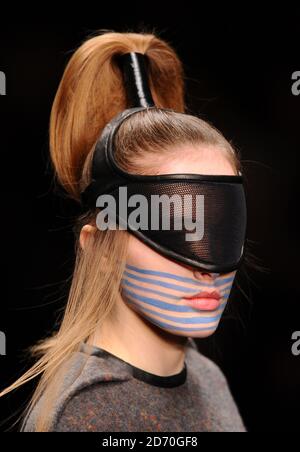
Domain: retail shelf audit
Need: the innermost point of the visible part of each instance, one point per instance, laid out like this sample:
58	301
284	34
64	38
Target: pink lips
206	301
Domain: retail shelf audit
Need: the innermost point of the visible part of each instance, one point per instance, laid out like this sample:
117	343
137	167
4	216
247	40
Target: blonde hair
90	94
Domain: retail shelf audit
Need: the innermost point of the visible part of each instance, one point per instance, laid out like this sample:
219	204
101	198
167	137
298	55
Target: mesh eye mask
196	219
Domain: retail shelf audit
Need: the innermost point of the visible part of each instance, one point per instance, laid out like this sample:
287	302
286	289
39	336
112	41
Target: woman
124	358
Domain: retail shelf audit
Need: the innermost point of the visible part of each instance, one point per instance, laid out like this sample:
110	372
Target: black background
238	64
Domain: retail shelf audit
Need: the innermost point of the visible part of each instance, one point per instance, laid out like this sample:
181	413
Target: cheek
229	280
141	255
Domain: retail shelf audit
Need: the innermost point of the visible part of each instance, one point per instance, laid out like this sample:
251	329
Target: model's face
156	287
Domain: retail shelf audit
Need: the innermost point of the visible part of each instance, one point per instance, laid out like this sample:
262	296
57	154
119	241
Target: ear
86	232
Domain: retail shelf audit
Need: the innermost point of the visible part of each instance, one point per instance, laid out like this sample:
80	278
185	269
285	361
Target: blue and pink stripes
157	295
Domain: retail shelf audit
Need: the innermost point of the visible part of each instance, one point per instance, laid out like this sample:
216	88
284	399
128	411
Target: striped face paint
158	296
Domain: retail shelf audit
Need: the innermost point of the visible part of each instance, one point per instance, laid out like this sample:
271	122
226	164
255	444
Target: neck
128	335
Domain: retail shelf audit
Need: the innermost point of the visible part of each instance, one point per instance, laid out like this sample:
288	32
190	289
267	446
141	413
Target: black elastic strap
134	67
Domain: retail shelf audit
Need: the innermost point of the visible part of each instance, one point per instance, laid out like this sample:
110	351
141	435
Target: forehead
193	160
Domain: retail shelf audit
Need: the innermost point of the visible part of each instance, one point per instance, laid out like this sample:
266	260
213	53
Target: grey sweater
102	393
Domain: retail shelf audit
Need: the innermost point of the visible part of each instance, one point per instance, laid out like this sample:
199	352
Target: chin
202	334
194	334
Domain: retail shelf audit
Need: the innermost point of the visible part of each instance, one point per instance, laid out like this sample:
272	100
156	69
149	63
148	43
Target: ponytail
92	92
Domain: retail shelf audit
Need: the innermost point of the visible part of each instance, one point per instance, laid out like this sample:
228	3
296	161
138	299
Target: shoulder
207	372
84	375
203	365
93	408
214	388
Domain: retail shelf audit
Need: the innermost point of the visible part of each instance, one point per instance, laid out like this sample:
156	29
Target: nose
203	275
